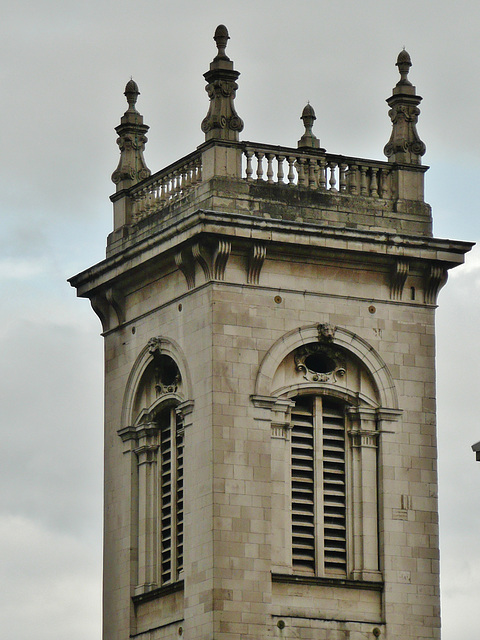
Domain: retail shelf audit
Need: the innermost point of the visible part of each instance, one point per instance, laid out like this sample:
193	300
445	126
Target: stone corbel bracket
109	307
258	253
398	277
186	264
435	278
212	258
220	258
200	256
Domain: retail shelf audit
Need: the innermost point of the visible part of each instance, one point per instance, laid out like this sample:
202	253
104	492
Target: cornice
239	228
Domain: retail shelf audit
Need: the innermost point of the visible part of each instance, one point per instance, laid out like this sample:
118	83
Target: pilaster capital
185	411
364	438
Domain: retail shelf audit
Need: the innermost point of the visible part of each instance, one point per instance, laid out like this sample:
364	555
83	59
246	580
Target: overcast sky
64	66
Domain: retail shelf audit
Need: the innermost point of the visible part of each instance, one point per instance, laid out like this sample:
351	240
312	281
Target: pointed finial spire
222	121
308	139
404	145
131	141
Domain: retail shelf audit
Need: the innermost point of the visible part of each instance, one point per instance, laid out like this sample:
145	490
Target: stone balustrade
305	169
166	186
317	170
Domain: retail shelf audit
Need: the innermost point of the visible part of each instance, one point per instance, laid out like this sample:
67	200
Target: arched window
327	395
158	410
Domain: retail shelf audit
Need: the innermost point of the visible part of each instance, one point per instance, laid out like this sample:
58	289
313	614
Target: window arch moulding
339	337
158	346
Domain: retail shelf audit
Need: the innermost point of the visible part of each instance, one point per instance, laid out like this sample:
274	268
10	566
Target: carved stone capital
367	439
146	453
185	411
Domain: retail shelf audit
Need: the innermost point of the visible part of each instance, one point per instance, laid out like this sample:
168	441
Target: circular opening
278	299
320	363
168	371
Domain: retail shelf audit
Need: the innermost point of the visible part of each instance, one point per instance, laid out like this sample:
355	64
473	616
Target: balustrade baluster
332	182
163	194
343	177
260	155
363	181
302	178
149	197
193	174
198	167
270	157
322	182
352	179
383	178
373	183
248	168
280	174
171	186
312	182
178	184
188	176
291	171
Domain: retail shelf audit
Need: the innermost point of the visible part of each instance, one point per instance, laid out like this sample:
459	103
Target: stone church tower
270	450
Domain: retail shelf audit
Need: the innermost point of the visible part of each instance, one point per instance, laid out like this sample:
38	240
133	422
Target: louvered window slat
171	493
303	508
318	437
335	548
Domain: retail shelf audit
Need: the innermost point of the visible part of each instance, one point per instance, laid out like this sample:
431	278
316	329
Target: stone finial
404	145
131	141
221	38
131	93
404	62
222	121
308	139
